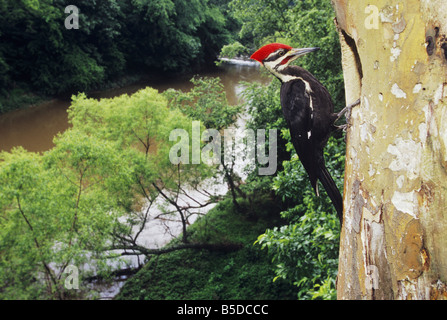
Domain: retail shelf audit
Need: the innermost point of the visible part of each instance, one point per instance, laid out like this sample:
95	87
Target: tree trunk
393	243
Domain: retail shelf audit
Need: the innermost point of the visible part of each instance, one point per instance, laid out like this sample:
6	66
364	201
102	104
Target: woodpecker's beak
298	52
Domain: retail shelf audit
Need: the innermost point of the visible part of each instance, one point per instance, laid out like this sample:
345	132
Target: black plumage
308	110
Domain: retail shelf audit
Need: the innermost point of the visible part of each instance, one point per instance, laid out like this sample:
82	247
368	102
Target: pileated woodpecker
309	113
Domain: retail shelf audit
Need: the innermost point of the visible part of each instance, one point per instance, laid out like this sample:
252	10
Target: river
34	129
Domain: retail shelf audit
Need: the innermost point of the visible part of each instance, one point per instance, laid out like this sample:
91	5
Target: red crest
264	51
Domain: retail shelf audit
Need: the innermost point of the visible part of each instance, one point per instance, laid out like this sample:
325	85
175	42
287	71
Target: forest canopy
115	37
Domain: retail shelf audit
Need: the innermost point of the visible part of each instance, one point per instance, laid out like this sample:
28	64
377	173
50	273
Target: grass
200	274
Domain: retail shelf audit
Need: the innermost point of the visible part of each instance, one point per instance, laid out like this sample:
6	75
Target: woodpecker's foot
343	127
346	109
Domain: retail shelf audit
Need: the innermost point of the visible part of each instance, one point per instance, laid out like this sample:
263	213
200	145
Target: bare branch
225	247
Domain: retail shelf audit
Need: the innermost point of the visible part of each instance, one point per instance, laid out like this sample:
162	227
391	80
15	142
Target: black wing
298	111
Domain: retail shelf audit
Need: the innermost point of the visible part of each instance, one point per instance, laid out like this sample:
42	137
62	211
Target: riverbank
246	273
34	126
22	97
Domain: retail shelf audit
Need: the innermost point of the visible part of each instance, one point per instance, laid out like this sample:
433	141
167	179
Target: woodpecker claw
346	109
343	127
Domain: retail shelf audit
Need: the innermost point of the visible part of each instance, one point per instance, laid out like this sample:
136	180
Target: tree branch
224	247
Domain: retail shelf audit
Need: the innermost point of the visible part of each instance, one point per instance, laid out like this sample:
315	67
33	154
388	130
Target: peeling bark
392	244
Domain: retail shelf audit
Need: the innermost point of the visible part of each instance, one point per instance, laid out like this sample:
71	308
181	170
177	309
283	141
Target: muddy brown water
34	128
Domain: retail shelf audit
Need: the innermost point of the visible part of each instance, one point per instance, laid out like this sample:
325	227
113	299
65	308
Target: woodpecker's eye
281	53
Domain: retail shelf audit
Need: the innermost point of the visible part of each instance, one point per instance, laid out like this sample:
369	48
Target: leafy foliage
77	201
233	50
141	126
51	214
206	102
37	52
305	251
203	275
305	23
174	34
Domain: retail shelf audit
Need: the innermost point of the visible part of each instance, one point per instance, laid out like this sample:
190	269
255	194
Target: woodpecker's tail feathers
332	190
